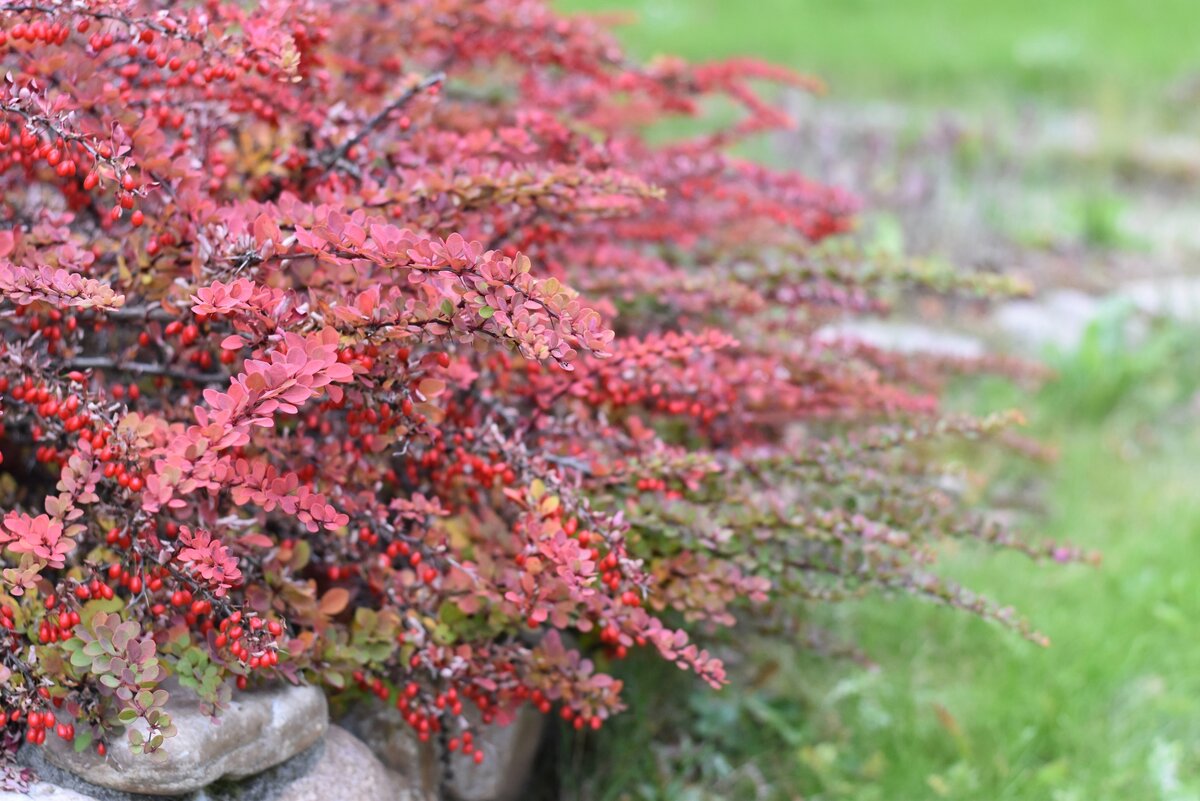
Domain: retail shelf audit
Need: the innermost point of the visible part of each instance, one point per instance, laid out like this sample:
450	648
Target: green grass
1108	52
958	712
956	708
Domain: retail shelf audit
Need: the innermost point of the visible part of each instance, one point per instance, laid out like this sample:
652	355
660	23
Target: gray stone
1055	320
70	787
1176	297
44	791
346	770
338	767
508	753
904	337
391	739
256	731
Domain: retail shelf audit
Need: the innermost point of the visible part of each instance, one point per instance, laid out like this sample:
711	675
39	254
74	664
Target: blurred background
1058	141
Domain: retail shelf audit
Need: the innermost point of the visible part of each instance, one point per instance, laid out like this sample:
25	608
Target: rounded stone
509	753
346	770
256	731
42	791
384	730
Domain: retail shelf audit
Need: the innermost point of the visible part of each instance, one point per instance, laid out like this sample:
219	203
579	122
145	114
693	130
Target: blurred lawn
1108	52
956	708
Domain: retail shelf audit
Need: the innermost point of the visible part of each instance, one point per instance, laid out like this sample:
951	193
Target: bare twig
142	368
140	312
373	123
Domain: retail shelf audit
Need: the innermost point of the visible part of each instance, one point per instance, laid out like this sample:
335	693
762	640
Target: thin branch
140	312
397	104
142	368
568	462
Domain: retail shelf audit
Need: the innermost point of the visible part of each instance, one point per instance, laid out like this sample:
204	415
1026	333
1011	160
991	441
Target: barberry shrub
372	344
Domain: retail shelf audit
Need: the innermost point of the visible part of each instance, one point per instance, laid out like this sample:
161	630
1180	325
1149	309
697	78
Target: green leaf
447	308
109	680
364	618
442	634
486	312
127	716
82	740
379	651
450	614
301	555
80	659
92	608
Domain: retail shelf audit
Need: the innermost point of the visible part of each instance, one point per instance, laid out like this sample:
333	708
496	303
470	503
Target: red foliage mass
372	344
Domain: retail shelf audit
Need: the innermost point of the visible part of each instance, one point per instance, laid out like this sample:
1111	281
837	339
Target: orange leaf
431	387
334	601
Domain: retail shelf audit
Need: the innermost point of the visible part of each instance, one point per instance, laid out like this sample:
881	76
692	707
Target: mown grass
1117	52
955	708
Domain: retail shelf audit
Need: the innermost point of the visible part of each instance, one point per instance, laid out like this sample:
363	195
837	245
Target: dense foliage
372	344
